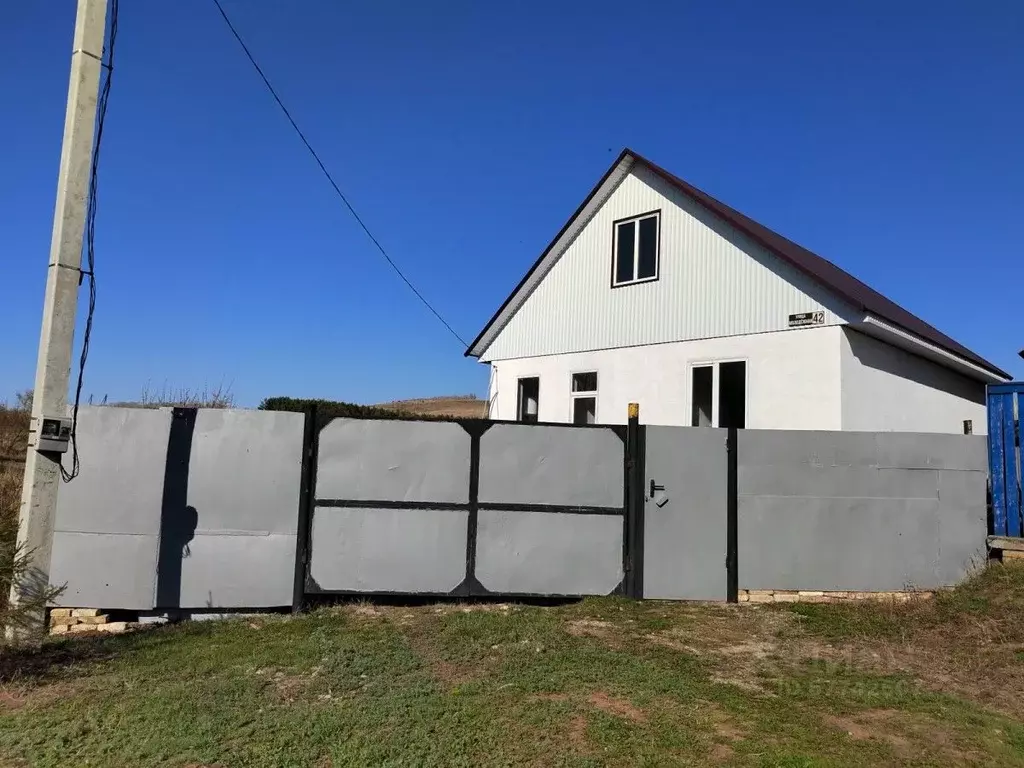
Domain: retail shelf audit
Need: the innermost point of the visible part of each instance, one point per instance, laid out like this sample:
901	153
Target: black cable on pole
330	178
90	240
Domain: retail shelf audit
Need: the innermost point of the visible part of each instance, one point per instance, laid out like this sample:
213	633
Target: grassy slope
603	682
459	406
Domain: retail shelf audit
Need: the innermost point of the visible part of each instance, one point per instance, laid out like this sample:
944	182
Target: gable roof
841	283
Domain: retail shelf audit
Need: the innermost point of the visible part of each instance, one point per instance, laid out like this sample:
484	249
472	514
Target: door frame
636	503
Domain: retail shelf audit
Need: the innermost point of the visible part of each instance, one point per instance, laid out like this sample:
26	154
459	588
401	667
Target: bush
335	408
16	569
168	397
14	562
13	444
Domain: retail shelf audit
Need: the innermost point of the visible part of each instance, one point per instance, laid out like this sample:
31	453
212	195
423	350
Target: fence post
732	517
635	471
307	494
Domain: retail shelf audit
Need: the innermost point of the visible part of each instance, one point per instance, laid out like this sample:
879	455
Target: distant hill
461	406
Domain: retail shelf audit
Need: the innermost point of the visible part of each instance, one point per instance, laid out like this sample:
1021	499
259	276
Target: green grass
994	595
602	682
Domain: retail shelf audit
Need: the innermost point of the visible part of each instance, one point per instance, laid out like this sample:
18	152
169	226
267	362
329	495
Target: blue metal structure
1005	407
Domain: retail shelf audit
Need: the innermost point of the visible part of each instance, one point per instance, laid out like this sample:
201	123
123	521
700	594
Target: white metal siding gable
713	281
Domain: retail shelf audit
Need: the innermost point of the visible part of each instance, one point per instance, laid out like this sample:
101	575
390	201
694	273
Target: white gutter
903	339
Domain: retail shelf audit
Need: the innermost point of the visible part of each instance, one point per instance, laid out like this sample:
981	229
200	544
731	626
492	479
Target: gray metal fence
859	511
180	508
231	509
471	508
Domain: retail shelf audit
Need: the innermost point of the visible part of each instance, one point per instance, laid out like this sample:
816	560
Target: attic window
636	249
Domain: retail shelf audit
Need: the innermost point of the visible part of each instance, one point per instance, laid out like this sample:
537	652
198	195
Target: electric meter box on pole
51	434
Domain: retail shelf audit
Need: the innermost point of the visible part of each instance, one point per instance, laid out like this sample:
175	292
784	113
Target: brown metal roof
822	271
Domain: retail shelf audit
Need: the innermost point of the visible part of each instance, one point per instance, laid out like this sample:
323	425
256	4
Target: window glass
647	262
528	405
700	396
732	395
584	382
584	410
624	252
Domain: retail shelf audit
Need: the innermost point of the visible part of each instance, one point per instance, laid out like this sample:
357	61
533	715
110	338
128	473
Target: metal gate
464	508
687	548
1005	405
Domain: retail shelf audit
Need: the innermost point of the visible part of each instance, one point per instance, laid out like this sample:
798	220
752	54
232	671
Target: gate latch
661	499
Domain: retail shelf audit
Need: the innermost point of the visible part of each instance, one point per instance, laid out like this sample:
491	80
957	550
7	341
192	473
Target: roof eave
904	339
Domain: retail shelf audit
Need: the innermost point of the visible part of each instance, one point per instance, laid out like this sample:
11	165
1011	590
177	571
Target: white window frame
589	393
714	364
656	215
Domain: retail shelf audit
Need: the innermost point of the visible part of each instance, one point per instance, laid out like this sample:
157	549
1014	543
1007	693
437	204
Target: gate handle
655	488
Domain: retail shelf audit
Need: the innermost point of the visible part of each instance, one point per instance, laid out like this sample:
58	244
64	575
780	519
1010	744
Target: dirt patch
926	730
616	706
852	728
288	687
448	674
485	608
666	640
744	683
366	610
612	705
605	631
482	607
904	733
737	656
873	725
975	657
578	733
723	726
721	753
722	722
724	631
10	700
964	642
285	688
754	649
987	673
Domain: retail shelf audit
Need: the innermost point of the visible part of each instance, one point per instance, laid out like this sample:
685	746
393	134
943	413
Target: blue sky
884	136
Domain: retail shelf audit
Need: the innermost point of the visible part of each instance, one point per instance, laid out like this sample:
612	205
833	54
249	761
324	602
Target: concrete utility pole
53	368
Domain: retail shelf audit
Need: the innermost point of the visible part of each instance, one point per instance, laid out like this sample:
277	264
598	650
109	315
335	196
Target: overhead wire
90	238
330	177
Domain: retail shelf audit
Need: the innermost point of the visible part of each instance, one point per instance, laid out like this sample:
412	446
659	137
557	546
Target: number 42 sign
806	318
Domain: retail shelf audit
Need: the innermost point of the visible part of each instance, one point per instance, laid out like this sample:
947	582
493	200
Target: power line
90	242
330	178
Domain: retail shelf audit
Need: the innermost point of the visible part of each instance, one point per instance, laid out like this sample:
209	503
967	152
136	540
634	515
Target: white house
657	293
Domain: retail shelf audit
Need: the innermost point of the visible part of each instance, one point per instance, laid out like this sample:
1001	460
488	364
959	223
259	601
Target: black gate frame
306	587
